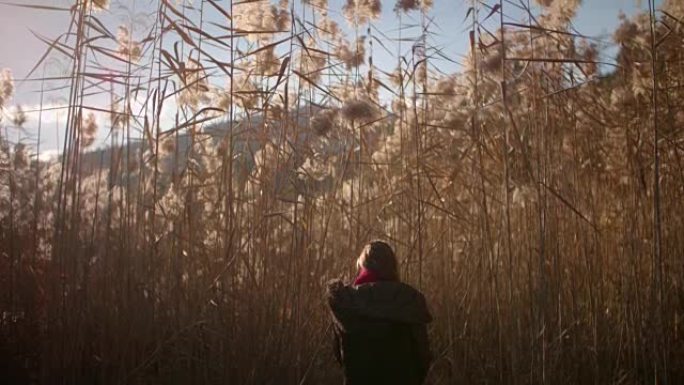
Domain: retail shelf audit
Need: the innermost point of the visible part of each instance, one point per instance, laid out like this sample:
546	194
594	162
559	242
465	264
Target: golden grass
536	200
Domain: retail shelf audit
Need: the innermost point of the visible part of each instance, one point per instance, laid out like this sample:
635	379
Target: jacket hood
384	300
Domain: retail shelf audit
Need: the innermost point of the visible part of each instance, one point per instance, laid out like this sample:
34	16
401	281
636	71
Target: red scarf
366	276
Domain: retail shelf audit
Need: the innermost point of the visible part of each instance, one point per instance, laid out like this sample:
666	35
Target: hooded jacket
380	332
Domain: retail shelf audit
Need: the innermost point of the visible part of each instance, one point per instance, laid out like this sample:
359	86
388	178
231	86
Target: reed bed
534	195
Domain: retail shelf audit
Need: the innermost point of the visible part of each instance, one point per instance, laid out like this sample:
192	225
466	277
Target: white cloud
48	155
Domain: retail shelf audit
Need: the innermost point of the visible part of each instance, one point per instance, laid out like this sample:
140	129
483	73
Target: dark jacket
380	333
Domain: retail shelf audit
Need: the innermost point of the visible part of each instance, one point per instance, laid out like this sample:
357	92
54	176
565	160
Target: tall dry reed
254	147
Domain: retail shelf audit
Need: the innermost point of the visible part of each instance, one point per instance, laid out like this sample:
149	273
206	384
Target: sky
21	49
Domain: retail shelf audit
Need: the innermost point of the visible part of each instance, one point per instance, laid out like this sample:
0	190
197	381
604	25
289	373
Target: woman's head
379	257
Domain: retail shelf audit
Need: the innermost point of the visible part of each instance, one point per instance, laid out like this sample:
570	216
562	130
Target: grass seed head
18	117
329	29
324	121
362	11
413	5
358	110
98	5
312	62
6	86
260	20
352	57
626	31
89	129
168	146
128	49
21	159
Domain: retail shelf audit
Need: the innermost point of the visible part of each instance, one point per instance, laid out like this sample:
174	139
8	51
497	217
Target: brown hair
379	257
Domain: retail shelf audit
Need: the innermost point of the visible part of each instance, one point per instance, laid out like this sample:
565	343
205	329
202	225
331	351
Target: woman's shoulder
385	299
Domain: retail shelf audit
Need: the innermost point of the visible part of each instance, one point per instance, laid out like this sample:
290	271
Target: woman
380	323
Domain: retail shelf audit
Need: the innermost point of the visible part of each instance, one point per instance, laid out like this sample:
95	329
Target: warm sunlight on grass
221	160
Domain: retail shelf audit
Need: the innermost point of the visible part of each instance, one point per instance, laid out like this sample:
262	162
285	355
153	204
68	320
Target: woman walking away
380	323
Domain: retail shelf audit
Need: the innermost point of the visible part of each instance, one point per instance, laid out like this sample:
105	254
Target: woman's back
381	333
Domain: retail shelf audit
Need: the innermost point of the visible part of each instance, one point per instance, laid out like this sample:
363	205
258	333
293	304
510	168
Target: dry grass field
535	194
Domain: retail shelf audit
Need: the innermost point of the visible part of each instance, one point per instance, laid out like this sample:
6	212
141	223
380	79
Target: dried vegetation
535	196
